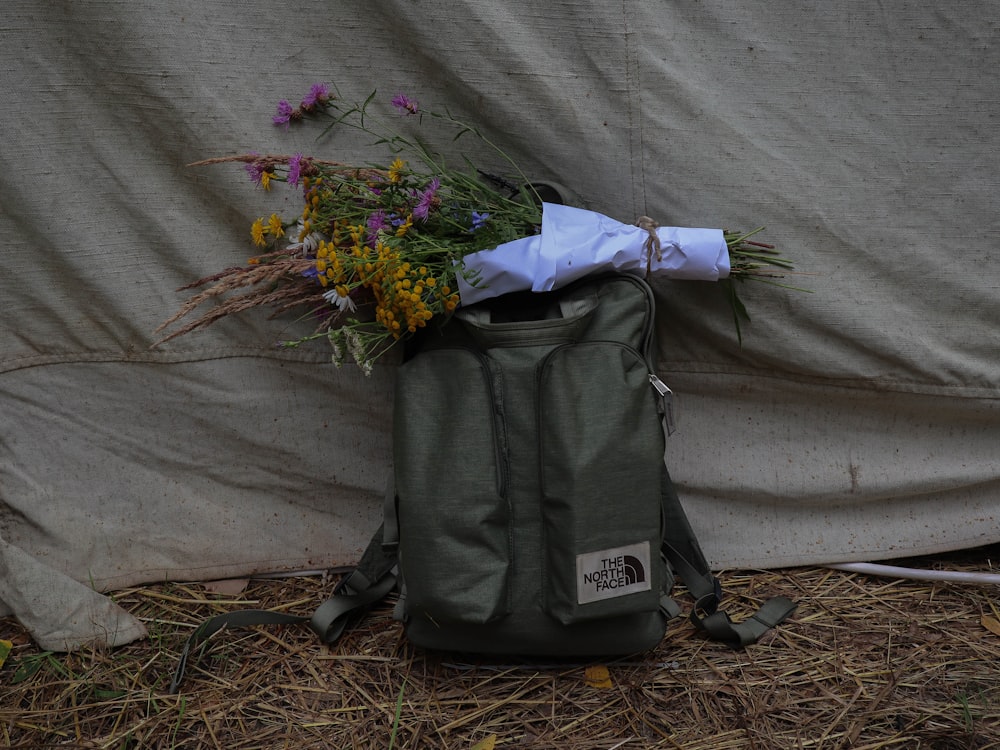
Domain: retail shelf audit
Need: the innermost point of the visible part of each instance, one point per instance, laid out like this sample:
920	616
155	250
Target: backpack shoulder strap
682	550
373	578
368	583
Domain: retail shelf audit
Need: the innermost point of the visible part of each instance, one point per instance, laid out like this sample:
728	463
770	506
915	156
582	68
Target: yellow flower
265	180
275	227
257	232
405	226
394	170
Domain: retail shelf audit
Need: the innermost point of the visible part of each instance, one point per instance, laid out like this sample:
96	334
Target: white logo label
608	573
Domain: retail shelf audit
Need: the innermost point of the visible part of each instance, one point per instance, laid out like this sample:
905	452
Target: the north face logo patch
608	573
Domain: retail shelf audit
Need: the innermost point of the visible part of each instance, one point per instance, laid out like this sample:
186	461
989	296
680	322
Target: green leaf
399	713
25	671
364	107
739	309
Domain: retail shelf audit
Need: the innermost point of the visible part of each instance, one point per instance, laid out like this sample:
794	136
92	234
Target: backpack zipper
667	399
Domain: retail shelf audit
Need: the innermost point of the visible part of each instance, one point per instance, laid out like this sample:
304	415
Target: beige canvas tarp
855	422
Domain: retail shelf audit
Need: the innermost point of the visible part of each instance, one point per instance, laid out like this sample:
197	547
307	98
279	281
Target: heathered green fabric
527	433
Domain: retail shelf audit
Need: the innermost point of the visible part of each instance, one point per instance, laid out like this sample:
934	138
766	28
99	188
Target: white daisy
345	304
307	243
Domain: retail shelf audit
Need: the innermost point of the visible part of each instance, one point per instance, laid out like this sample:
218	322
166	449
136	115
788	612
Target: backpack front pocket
601	448
454	518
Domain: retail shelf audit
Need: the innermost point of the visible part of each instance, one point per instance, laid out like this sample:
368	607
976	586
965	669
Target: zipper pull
667	398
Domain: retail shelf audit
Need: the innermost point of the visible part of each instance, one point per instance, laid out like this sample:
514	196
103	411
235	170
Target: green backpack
531	511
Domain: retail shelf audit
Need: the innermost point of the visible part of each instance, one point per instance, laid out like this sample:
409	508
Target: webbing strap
330	618
241	619
716	624
719	627
372	580
704	587
376	563
682	550
669	607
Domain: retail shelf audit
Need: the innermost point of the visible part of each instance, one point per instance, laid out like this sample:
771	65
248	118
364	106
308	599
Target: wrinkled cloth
858	421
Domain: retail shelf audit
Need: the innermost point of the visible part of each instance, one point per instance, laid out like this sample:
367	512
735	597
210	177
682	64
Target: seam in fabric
634	96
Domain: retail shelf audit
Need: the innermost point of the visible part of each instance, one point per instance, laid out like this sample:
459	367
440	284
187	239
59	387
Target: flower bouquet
380	250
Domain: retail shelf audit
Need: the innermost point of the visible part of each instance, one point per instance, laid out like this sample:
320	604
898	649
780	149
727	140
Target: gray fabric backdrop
856	422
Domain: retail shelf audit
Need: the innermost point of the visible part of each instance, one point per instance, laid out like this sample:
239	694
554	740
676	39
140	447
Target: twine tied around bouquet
652	244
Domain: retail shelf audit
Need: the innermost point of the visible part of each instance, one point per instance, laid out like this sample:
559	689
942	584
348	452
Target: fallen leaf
597	677
487	743
228	587
5	647
992	624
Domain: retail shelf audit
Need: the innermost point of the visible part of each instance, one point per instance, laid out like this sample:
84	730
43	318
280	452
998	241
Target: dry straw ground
864	663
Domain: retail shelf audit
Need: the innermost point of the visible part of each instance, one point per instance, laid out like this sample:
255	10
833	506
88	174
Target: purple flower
377	221
318	94
294	169
426	200
478	219
255	169
405	104
285	114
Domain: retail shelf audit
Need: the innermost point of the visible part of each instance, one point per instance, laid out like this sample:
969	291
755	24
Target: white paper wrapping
575	243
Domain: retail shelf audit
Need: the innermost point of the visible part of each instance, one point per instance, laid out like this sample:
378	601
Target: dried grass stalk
266	289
